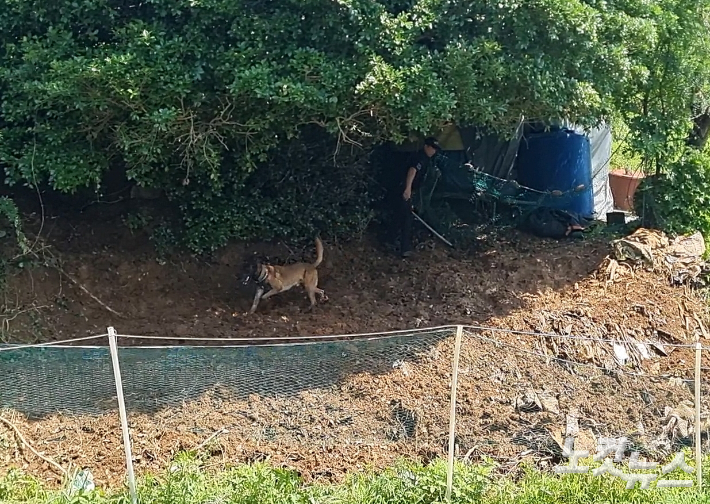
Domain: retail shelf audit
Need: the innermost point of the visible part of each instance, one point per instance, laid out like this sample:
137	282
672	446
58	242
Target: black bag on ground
546	222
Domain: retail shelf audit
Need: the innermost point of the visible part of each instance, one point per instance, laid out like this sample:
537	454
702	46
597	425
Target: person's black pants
405	222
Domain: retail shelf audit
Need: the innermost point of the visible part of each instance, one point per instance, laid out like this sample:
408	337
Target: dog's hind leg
310	283
312	297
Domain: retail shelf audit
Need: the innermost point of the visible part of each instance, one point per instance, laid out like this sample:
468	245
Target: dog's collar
261	274
259	277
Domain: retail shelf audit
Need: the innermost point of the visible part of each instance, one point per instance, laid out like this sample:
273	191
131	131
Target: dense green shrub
678	199
212	100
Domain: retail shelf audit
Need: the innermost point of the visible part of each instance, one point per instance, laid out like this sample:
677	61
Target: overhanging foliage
202	97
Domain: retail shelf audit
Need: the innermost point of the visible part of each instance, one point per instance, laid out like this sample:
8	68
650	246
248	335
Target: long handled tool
432	230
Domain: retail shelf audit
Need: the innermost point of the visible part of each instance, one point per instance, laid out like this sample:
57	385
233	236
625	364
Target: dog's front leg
257	298
270	293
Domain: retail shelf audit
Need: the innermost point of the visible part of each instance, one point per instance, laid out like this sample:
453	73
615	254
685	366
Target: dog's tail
319	252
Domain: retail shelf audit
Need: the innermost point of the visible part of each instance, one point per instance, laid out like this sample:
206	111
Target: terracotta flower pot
623	186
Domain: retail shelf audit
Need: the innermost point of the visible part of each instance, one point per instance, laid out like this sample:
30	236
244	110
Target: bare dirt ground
369	288
515	399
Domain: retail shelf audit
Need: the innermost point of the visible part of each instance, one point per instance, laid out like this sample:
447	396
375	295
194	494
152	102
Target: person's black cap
432	142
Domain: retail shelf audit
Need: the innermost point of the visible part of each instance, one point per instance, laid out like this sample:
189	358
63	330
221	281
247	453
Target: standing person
419	172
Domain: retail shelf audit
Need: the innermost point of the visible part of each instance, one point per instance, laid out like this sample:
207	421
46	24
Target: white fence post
122	412
452	415
698	450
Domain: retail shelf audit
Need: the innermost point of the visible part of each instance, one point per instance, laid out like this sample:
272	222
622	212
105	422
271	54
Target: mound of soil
520	392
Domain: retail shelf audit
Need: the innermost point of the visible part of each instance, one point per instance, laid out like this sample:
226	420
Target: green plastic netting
464	182
39	381
448	185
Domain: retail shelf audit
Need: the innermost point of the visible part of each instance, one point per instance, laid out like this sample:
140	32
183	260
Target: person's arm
408	184
416	163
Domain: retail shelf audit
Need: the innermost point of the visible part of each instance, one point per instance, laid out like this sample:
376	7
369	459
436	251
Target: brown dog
283	278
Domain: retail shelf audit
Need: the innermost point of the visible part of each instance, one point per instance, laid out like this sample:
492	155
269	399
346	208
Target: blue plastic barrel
558	161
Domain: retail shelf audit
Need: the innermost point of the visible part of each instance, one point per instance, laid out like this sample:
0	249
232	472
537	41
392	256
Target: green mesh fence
38	381
332	407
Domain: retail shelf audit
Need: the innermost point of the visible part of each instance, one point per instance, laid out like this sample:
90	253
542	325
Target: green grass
187	482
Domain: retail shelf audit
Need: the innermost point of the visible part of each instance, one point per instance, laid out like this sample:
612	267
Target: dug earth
521	386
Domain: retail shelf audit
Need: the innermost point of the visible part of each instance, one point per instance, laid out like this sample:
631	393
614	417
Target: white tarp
600	142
